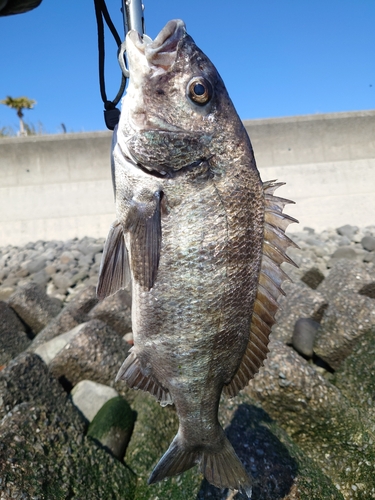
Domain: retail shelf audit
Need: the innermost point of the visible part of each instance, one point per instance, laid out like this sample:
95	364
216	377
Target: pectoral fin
143	223
114	272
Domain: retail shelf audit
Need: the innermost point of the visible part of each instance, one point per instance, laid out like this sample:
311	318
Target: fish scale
202	239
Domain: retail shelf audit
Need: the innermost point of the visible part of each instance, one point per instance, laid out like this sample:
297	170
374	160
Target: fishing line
111	113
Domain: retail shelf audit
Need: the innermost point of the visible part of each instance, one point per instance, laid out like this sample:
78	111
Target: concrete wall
59	186
55	187
327	162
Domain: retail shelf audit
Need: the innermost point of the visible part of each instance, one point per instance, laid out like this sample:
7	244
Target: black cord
111	113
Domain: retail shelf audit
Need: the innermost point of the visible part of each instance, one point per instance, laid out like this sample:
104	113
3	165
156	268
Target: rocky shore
304	427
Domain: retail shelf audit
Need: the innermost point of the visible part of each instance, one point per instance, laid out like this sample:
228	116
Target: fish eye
199	90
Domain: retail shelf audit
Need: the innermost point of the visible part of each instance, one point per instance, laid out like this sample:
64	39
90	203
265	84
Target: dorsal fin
271	277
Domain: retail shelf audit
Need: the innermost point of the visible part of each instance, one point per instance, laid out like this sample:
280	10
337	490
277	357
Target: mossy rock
356	376
331	430
278	467
153	432
44	456
113	425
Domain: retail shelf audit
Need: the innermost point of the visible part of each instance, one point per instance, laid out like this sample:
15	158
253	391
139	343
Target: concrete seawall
59	186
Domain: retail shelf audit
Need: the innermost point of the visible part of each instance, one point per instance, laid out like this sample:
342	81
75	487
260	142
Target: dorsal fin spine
271	277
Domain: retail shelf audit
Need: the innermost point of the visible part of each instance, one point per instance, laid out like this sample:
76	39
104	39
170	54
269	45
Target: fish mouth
199	165
159	54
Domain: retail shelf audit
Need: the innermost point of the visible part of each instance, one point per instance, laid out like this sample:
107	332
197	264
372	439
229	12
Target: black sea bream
201	238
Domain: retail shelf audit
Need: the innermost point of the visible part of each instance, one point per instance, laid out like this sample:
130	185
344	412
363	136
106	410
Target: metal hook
132	11
121	60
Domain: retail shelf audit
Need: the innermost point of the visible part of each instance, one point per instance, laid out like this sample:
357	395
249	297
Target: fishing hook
133	14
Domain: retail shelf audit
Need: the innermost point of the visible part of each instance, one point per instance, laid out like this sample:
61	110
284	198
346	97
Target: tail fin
174	461
221	468
224	469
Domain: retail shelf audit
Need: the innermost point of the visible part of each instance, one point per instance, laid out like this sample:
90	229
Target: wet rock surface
304	428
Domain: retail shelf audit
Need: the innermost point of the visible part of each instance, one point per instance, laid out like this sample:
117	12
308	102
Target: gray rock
49	350
368	290
98	258
61	281
90	248
73	314
13	336
6	291
345	276
11	280
89	397
86	260
11	344
313	277
345	253
115	311
49	254
41	278
22	272
50	269
92	280
304	336
34	265
356	376
344	241
113	425
299	302
67	257
79	276
44	454
33	306
26	380
368	243
96	353
317	417
348	316
9	319
347	230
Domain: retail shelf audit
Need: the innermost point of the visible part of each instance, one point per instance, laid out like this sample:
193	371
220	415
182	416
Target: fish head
176	111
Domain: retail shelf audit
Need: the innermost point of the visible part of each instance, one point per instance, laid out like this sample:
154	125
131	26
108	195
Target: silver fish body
203	238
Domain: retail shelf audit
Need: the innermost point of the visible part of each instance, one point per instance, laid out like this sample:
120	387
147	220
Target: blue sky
277	57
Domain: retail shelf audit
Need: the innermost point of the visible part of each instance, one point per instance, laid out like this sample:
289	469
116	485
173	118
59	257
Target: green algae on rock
113	425
356	376
153	430
319	419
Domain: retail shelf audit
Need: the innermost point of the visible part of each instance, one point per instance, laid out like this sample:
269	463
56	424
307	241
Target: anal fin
270	279
131	372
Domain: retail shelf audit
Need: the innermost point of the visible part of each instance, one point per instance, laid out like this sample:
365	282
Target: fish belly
192	328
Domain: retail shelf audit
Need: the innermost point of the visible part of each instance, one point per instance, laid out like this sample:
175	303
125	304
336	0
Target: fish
201	238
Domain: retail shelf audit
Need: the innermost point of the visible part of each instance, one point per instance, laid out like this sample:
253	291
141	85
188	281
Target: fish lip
160	53
168	38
